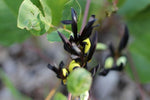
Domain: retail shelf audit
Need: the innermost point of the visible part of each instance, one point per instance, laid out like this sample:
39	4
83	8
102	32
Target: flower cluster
116	60
82	48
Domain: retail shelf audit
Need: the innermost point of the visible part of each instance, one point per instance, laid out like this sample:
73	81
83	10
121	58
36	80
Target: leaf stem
85	14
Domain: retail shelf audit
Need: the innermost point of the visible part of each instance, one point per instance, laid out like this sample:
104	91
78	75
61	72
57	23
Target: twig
85	14
52	92
69	96
135	75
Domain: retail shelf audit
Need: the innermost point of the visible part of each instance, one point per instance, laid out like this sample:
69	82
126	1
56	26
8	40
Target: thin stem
69	96
52	92
135	75
85	14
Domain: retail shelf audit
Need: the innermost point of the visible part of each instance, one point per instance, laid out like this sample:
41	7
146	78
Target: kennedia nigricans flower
82	48
78	45
116	60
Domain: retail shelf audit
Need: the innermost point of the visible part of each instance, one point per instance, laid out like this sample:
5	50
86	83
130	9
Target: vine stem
135	75
69	96
85	14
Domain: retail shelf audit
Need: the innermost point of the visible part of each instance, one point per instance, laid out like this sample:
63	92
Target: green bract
109	62
79	81
101	46
122	60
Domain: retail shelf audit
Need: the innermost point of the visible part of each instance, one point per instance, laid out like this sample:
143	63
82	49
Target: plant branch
85	14
135	75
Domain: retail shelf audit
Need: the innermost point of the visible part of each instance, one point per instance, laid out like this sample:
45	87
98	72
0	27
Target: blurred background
24	57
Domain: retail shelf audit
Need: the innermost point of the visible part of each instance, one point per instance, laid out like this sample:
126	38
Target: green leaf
79	81
32	19
54	37
47	12
139	46
131	7
13	5
9	33
67	9
56	9
59	96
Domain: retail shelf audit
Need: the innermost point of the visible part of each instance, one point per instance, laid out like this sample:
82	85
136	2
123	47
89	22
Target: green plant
44	16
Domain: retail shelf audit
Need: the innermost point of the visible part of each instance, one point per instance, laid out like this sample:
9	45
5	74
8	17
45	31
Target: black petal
74	22
76	49
104	72
124	40
61	64
112	50
67	22
88	28
53	68
93	47
118	68
68	46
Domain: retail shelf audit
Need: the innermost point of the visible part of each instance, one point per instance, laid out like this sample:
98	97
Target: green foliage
67	9
139	27
13	5
59	96
31	18
9	33
36	16
56	10
54	37
79	81
6	81
137	17
131	7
